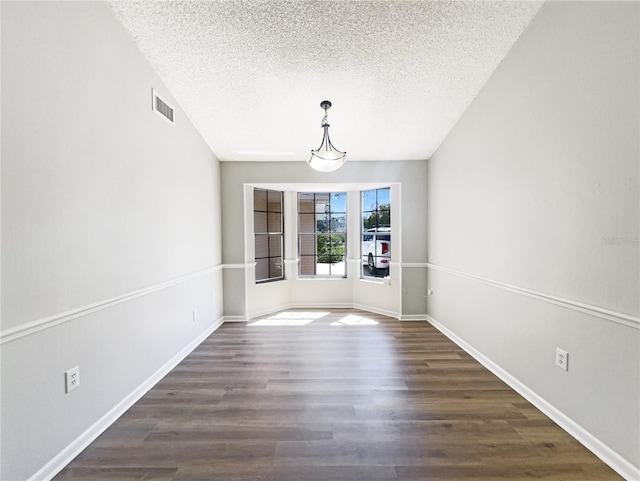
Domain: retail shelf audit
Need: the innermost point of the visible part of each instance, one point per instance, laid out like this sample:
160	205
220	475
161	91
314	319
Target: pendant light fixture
326	158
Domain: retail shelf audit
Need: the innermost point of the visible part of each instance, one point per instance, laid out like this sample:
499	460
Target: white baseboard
57	464
414	317
319	305
623	467
383	312
375	310
268	312
314	305
234	319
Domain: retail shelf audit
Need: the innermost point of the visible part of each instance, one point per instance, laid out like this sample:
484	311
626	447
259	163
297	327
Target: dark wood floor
344	397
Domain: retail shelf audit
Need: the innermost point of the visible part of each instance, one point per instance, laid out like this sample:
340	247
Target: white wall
110	230
533	222
245	299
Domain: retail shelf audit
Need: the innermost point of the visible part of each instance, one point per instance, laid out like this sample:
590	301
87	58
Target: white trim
268	312
607	314
623	467
320	277
414	317
319	305
415	264
239	266
349	261
32	327
315	305
64	457
375	310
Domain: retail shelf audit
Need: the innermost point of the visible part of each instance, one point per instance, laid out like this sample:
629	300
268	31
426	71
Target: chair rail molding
596	311
32	327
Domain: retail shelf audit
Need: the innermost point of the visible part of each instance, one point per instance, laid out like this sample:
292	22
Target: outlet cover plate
562	359
72	379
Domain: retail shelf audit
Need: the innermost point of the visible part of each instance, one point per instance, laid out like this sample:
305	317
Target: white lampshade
327	160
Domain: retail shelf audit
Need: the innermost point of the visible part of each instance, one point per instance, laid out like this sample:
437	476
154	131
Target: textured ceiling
251	74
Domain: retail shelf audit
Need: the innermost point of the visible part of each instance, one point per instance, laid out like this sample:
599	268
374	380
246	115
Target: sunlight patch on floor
353	320
289	319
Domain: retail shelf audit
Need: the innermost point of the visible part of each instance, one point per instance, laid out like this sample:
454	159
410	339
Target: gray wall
533	215
110	230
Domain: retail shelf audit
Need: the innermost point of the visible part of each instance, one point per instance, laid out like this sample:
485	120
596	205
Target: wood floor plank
566	471
118	474
279	473
329	401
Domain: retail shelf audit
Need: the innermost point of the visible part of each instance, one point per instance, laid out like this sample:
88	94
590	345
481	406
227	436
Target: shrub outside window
322	232
268	228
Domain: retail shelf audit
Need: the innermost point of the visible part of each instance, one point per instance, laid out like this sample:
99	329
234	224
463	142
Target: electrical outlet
72	379
562	359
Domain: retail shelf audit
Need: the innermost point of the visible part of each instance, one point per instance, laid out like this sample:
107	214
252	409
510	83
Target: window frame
270	235
305	233
372	234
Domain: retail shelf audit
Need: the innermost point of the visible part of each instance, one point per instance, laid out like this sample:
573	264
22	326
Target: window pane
307	265
307	245
305	203
384	197
306	223
339	202
259	199
275	201
260	222
368	200
262	246
275	222
275	267
339	268
323	246
322	223
262	269
329	246
322	207
369	220
339	223
275	246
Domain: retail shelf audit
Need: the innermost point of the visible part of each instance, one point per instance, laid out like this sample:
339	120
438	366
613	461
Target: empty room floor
333	395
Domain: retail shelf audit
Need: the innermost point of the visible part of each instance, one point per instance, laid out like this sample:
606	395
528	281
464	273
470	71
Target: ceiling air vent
162	107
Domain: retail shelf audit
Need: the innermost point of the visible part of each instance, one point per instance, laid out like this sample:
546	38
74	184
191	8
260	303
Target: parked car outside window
376	250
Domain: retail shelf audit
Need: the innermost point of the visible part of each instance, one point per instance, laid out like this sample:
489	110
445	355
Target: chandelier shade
326	158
